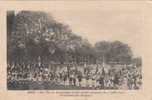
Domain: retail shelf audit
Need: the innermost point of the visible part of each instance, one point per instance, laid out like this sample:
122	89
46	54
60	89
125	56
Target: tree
36	34
103	49
120	52
114	51
137	61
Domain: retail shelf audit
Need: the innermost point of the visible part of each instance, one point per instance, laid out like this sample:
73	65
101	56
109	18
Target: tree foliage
35	34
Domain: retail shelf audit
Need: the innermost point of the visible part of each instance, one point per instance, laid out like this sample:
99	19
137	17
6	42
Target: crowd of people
90	76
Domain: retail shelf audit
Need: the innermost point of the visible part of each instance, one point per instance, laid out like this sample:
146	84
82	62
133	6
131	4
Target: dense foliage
34	36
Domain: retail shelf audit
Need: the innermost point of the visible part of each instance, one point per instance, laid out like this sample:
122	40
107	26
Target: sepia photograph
74	50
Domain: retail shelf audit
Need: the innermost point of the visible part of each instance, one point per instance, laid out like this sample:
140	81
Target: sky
98	25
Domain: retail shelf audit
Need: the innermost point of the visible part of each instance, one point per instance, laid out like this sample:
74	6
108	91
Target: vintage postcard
76	50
